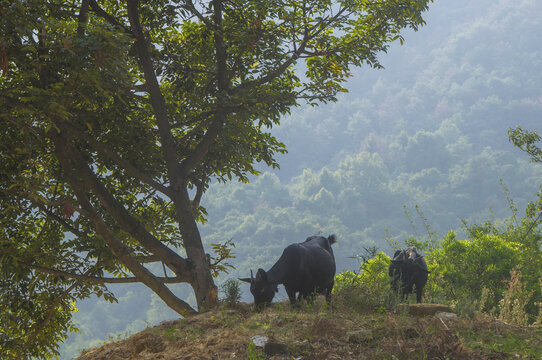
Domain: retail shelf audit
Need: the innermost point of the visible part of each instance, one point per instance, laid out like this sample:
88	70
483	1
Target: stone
259	341
273	348
423	309
443	315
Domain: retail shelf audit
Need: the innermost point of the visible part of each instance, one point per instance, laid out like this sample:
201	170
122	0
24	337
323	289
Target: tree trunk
202	281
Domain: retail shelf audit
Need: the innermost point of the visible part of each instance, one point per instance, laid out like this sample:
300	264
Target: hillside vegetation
324	332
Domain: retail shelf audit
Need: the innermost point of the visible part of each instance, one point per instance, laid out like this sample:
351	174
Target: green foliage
232	292
467	266
496	269
222	252
526	140
368	290
253	353
511	340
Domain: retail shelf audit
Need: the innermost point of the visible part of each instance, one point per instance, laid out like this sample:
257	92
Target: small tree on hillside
116	116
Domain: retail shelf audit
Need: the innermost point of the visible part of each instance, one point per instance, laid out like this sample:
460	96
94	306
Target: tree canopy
116	116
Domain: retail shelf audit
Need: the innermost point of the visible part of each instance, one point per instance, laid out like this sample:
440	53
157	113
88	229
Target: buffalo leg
418	294
291	296
328	292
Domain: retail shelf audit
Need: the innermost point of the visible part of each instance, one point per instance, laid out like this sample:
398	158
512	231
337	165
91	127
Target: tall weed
512	305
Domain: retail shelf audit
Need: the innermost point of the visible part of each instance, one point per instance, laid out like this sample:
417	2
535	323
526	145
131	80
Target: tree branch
147	258
190	6
197	197
130	169
157	98
198	127
59	220
108	17
96	279
320	26
201	150
127	222
82	18
122	252
274	73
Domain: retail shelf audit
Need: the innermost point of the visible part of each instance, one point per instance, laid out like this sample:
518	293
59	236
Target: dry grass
317	331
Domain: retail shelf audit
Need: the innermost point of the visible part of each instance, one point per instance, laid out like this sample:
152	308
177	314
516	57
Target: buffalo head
261	288
409	257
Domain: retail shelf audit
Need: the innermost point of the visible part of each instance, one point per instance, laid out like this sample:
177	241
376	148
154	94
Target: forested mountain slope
429	130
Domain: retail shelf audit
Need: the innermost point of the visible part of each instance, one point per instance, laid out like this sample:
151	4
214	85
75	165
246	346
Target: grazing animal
305	268
408	270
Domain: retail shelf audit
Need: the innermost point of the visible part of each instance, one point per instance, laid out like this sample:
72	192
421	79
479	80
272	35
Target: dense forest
421	144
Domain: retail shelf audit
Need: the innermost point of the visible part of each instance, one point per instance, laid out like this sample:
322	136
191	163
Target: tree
116	116
526	140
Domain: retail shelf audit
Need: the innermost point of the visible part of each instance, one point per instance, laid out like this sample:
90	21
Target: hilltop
318	331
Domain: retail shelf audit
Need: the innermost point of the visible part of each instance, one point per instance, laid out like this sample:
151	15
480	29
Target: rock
446	315
273	348
359	336
424	309
258	340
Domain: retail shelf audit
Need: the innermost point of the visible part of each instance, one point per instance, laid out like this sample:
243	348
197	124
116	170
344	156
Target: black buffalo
407	271
305	268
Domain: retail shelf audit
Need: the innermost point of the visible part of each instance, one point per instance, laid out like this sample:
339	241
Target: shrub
464	267
368	290
232	292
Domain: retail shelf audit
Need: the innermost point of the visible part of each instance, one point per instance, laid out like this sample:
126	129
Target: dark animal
408	270
305	268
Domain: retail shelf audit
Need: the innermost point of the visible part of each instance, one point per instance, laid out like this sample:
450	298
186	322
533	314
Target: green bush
497	269
369	289
461	268
232	292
